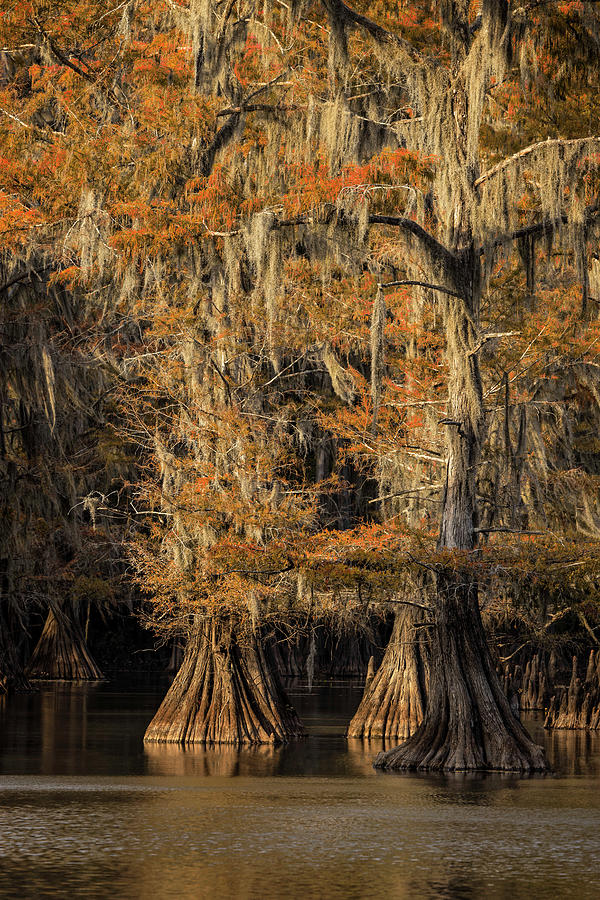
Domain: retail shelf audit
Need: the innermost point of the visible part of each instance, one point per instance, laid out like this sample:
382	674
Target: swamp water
86	811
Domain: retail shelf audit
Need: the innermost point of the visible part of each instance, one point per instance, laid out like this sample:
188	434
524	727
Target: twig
587	627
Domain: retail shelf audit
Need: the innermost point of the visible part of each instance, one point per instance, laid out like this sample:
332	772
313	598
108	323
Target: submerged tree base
61	652
227	691
393	703
468	725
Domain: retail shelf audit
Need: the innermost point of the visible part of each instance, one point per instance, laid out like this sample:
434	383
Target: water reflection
75	729
317	756
225	761
86	810
97	728
574	752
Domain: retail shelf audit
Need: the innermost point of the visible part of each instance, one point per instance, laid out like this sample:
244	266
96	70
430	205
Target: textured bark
62	653
393	703
227	691
468	723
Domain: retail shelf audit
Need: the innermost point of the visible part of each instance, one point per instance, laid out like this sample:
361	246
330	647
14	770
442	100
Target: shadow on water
86	810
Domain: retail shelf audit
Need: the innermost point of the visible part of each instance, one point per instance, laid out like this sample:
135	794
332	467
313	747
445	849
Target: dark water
86	811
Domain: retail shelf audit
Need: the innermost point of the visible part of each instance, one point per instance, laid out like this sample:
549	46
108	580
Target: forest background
299	342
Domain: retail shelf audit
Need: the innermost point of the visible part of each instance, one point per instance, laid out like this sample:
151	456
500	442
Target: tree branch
221	138
340	10
227	131
541	145
256	107
412	603
504	530
22	277
431	244
65	61
423	284
587	626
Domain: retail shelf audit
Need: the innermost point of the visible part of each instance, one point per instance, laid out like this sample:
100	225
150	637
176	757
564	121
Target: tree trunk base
393	703
226	692
61	653
468	725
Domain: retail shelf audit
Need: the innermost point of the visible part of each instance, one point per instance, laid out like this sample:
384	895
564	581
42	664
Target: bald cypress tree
249	192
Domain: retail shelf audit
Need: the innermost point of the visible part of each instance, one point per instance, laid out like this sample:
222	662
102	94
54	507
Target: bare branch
504	530
431	244
527	151
423	284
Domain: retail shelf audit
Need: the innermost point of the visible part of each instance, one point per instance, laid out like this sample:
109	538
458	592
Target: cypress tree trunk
61	652
227	691
393	703
468	723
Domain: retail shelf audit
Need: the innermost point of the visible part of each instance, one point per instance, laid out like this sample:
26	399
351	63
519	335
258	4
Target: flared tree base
393	704
227	692
468	725
61	653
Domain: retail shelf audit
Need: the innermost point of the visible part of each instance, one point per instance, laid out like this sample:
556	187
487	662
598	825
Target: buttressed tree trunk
61	652
227	691
468	722
393	703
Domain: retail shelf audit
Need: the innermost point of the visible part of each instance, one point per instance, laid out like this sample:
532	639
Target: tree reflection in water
307	819
224	760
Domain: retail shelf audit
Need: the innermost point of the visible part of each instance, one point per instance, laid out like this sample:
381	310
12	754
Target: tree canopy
300	300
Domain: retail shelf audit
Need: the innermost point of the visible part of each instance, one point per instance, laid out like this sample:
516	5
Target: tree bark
61	652
393	703
468	723
226	692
